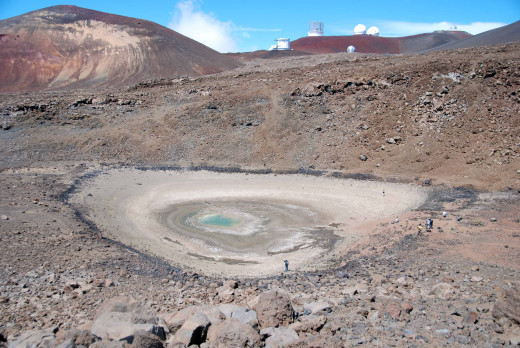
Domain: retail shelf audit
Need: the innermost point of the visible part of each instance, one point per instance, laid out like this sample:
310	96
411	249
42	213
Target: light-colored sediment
322	216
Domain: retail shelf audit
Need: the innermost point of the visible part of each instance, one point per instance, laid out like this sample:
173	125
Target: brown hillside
451	116
446	122
505	34
376	44
68	46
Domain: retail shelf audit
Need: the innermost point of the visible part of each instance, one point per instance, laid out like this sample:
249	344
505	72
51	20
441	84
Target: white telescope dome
316	29
374	31
351	49
360	29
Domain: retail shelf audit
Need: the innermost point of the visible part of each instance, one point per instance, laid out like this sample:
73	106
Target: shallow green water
218	220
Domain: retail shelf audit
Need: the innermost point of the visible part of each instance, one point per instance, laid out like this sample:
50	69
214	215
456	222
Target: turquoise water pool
218	220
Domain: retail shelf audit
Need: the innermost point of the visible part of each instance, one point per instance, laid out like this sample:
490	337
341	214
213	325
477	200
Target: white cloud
205	28
480	27
396	28
257	29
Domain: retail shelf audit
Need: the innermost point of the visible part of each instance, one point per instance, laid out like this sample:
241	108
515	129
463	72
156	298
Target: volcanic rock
232	333
274	308
69	46
509	305
242	314
193	331
279	336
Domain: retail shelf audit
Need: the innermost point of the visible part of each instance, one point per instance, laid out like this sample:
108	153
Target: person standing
286	265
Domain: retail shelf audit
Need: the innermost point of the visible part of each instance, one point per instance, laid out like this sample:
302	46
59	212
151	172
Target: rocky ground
448	120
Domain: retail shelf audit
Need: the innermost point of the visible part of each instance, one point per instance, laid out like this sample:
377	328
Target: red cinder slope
502	35
377	44
73	47
335	44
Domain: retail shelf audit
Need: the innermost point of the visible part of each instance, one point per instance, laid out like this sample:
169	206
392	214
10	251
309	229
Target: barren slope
68	46
376	44
502	35
449	116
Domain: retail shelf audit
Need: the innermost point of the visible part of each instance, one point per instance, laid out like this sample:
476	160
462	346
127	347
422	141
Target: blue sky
231	26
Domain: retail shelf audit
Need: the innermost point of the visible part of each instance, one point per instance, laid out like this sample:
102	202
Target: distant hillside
505	34
376	44
73	47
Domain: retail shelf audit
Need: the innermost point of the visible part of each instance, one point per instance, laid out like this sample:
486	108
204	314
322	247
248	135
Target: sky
242	26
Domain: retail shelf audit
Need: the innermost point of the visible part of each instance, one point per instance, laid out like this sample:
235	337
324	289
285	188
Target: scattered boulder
514	340
120	319
509	306
442	290
80	337
122	326
274	308
471	318
309	323
391	309
174	321
279	337
406	307
144	339
41	338
242	314
193	331
232	333
317	308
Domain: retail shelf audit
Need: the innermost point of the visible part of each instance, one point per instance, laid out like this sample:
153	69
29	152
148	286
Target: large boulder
309	323
279	337
193	331
509	306
274	308
232	333
144	339
77	337
40	338
123	326
120	319
317	308
243	314
174	321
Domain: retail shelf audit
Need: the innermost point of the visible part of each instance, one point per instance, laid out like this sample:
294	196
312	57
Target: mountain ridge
71	47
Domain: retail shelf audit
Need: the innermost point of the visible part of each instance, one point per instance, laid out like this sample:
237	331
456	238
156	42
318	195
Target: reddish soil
447	120
502	35
335	44
72	47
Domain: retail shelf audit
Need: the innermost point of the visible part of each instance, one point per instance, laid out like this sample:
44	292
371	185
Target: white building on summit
282	44
316	29
374	31
360	29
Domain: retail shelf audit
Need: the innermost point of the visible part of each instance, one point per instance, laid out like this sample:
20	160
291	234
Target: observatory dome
316	29
374	31
360	29
351	49
453	27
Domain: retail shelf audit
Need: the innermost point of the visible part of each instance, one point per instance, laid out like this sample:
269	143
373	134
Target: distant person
419	229
396	220
429	223
383	193
444	214
286	265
